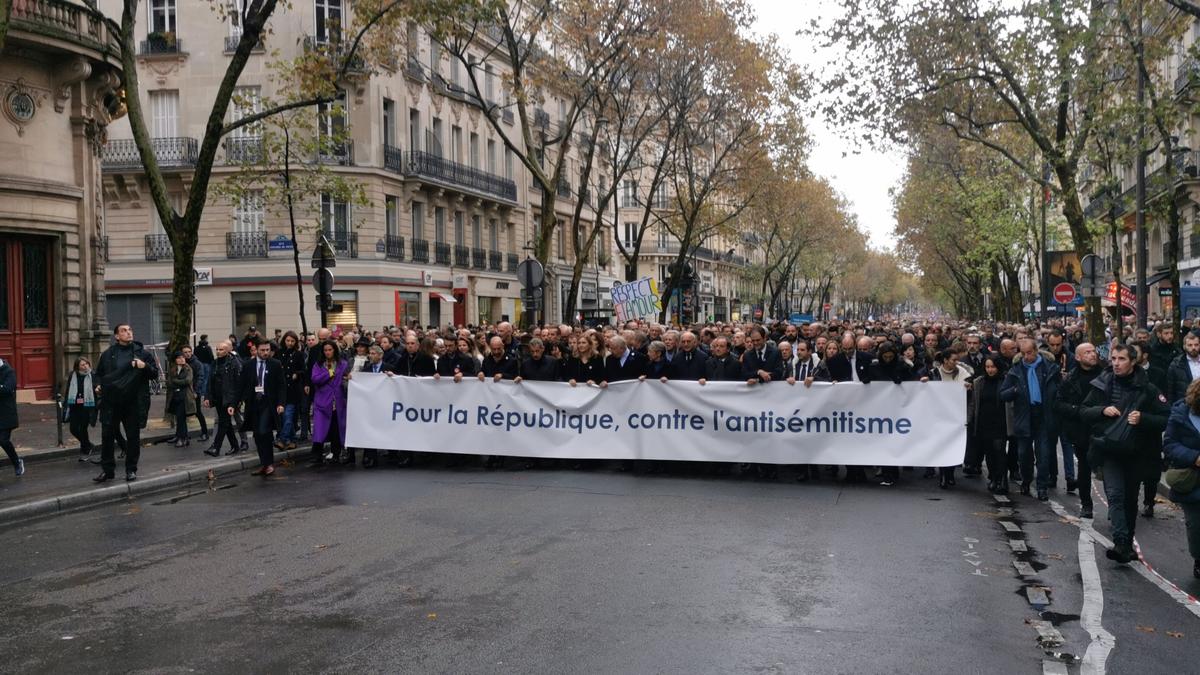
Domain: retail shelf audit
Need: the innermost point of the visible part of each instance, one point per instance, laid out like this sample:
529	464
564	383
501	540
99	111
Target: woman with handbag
181	398
1126	414
1181	445
79	405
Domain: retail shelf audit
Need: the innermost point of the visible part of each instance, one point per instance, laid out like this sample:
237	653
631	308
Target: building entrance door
26	319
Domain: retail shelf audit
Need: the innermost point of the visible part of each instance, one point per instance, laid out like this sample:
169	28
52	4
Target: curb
59	453
114	493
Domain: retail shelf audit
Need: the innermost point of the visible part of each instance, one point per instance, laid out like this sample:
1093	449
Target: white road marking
1054	668
1091	616
1188	602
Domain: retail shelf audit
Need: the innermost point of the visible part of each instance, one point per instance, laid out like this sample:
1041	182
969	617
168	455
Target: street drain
178	498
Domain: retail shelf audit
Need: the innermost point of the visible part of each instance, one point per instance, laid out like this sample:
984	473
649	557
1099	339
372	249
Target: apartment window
248	213
329	20
460	229
156	226
389	122
164	113
435	58
434	142
331	126
491	156
412	44
439	224
456	142
162	16
418	220
629	194
236	7
335	219
664	272
455	74
508	163
474	149
476	232
246	101
494	235
630	235
489	83
660	196
414	128
664	237
249	309
562	111
391	215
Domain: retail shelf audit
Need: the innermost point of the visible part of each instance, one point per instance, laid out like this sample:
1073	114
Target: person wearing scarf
1031	385
80	406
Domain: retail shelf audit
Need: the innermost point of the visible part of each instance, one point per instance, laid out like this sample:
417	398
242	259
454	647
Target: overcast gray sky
861	174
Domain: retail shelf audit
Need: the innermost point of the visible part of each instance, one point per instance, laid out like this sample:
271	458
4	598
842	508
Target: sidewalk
56	481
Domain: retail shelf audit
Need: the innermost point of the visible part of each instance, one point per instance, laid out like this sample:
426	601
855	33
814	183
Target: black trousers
264	443
333	436
78	423
224	428
126	418
200	417
181	415
7	444
1083	475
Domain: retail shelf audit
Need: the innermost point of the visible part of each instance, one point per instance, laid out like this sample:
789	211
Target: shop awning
444	297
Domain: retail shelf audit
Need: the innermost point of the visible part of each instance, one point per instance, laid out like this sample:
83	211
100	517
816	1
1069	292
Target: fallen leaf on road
1056	556
1174	634
321	546
133	510
1146	629
431	616
1044	536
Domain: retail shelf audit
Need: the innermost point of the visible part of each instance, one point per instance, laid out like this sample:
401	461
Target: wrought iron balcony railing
420	250
394	247
441	253
247	150
513	262
393	158
160	43
344	243
495	261
168	152
462	256
427	165
231	43
158	247
478	259
246	244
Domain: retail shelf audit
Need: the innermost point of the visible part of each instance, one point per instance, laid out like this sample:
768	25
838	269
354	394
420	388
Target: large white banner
884	424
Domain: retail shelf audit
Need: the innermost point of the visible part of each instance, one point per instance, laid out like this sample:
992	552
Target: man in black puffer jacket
124	372
1126	391
1068	408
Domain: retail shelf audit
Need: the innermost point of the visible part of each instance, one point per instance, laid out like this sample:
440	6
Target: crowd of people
1045	408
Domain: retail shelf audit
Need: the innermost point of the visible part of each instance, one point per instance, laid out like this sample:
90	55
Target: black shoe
179	442
204	437
1148	511
368	463
929	473
1002	488
212	452
1072	486
1042	496
943	481
245	446
1085	512
130	476
233	450
1122	553
103	478
1025	488
346	459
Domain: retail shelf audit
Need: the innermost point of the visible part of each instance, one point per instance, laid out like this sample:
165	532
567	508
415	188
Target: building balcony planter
160	42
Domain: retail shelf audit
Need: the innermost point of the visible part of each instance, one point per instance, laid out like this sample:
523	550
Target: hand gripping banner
880	424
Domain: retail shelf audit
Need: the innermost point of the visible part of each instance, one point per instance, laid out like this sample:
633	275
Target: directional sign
530	273
323	281
1064	293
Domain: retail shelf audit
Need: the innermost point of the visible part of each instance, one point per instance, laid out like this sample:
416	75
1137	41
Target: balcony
344	243
441	253
564	188
247	150
495	261
428	166
393	158
66	20
478	259
512	262
158	247
394	247
231	44
340	154
157	44
507	115
168	152
338	52
420	251
246	244
1187	75
462	256
413	69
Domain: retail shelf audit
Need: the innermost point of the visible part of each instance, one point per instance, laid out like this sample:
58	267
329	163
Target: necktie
261	366
762	355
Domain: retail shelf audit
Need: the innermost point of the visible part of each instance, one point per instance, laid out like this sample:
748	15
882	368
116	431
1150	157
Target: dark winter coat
1178	377
988	414
1161	356
224	387
121	384
8	396
1068	407
1015	390
295	373
1181	445
1154	409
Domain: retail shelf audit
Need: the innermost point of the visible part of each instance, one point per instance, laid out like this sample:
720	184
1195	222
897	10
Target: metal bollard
58	417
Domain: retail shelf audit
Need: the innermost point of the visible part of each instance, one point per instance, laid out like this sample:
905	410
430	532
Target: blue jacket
1015	390
1181	445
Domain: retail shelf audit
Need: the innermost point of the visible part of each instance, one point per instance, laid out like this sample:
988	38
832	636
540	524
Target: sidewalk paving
56	481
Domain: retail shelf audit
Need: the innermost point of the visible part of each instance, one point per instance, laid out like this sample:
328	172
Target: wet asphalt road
433	570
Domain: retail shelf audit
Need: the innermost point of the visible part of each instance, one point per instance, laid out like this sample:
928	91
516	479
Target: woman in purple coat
329	376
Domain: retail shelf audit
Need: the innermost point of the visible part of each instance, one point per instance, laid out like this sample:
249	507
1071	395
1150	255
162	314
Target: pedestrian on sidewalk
124	372
1181	445
224	392
201	372
8	415
262	398
328	379
81	407
292	356
181	401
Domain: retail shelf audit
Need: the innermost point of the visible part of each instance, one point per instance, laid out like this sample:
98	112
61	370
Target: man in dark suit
263	395
762	363
623	363
538	366
688	362
850	365
721	365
